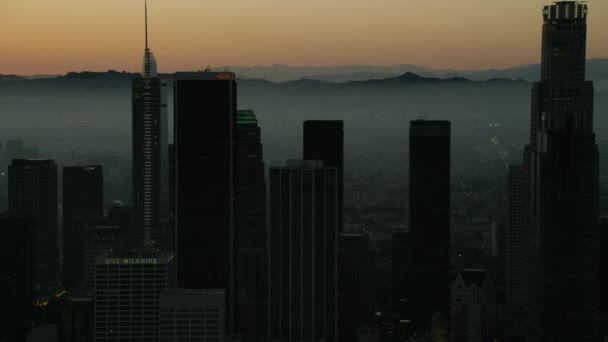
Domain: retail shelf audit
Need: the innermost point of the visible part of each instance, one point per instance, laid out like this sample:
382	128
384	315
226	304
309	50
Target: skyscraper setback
324	140
561	180
149	123
251	228
205	159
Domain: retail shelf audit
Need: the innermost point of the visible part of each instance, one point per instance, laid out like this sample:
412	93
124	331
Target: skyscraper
251	228
205	152
32	197
98	240
82	206
473	307
303	252
192	315
324	140
16	270
148	125
356	285
429	220
562	163
127	294
520	270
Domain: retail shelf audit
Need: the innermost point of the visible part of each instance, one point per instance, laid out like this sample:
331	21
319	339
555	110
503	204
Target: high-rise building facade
356	285
205	152
520	256
324	140
32	197
16	272
303	252
192	315
127	294
99	239
473	307
82	207
429	221
251	228
561	162
149	125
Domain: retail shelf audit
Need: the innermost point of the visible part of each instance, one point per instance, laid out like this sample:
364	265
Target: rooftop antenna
146	16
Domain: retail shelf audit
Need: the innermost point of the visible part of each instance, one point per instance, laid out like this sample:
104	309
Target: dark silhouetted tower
356	295
429	221
562	159
16	271
205	152
303	252
251	228
324	140
32	198
82	207
149	125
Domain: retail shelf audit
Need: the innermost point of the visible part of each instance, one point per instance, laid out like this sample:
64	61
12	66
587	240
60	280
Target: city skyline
306	210
187	35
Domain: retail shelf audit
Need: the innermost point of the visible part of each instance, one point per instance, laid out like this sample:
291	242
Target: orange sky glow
57	36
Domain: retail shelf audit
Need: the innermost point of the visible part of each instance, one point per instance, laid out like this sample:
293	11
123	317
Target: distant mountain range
597	70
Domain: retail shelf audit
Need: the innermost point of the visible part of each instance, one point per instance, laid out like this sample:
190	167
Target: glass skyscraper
205	176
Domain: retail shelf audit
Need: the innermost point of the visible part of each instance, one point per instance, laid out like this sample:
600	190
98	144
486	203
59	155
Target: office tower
32	197
82	206
121	216
127	293
169	223
429	221
44	333
192	315
251	228
473	307
205	129
303	251
356	295
520	256
324	140
77	317
604	267
149	126
251	202
561	162
16	272
172	179
98	240
401	260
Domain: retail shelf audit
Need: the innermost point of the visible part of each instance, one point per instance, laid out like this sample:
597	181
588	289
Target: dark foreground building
303	252
205	129
429	222
324	140
82	207
127	294
251	229
32	198
16	279
561	181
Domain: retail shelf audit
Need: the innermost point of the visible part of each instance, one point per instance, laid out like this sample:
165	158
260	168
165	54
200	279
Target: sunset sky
56	36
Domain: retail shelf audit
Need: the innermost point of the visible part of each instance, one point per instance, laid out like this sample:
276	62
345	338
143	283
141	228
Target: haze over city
313	171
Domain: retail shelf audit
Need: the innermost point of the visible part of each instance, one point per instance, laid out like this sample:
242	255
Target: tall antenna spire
146	15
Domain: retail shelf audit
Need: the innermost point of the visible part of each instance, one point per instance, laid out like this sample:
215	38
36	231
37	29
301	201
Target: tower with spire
149	144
